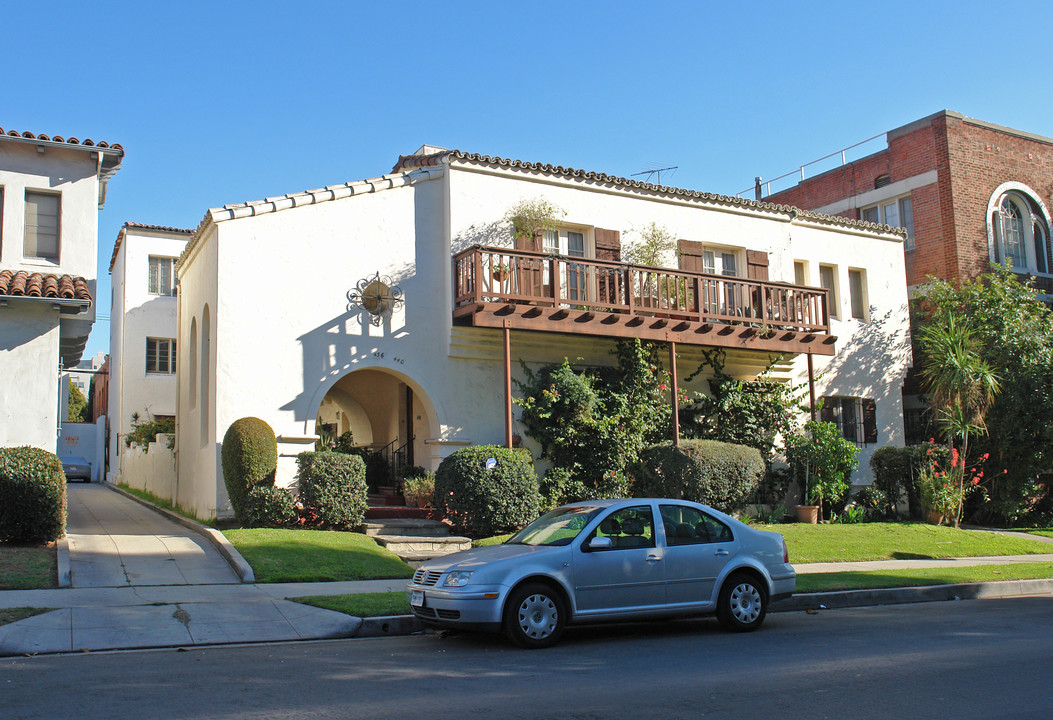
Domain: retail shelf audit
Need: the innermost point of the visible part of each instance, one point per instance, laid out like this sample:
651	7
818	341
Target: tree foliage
1012	332
77	405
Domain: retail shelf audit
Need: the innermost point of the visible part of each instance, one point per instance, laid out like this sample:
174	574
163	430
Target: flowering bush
947	481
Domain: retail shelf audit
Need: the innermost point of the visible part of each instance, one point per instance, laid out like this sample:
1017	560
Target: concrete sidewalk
143	577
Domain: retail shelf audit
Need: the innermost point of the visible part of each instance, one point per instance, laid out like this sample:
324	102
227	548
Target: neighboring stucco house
398	307
142	330
51	189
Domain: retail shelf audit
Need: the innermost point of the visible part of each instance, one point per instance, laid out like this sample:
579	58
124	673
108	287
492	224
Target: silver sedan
607	560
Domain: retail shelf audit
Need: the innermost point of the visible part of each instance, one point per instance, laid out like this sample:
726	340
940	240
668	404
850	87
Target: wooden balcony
521	290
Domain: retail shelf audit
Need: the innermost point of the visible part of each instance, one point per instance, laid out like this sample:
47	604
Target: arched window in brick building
1018	230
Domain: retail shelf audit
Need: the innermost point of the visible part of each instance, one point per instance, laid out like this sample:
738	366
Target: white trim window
898	212
1019	233
41	240
828	280
719	262
159	281
160	356
857	290
571	244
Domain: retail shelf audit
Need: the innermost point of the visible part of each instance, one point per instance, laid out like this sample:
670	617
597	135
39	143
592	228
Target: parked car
605	560
76	468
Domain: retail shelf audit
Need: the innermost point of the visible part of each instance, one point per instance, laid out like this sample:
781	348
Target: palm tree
961	386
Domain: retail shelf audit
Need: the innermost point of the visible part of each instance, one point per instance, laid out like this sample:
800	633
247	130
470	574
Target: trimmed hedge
269	506
721	475
250	457
333	488
482	502
32	496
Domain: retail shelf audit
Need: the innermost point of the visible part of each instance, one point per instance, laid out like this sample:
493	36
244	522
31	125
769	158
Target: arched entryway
385	416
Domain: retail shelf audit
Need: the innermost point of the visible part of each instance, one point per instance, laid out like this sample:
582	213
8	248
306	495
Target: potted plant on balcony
499	272
530	219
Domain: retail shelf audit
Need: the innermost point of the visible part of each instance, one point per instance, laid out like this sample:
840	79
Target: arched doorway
381	416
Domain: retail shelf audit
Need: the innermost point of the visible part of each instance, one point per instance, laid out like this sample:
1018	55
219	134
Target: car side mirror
600	543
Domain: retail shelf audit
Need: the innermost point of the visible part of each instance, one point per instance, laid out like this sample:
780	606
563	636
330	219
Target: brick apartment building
968	192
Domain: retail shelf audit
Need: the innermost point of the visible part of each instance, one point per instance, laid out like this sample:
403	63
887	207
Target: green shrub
482	502
333	488
419	489
559	487
144	433
721	475
822	461
250	457
269	506
32	496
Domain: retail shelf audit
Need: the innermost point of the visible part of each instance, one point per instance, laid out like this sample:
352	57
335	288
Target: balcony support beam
674	393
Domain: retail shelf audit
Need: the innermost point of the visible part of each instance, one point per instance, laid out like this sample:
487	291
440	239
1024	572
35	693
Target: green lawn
822	582
362	604
315	555
10	615
896	541
28	567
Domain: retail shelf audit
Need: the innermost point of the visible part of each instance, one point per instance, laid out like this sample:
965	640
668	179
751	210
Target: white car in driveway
607	560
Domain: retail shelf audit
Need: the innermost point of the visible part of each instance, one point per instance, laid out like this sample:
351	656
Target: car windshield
558	527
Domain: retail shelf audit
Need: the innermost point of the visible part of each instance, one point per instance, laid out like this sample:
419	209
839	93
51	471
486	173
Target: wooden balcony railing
499	275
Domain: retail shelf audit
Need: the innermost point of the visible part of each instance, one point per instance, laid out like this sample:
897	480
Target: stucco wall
29	361
151	469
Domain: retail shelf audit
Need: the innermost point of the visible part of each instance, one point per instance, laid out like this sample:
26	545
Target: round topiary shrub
269	506
32	496
721	475
250	457
483	498
333	488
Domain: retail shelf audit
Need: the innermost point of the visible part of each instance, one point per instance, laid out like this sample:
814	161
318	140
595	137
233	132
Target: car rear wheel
534	616
743	603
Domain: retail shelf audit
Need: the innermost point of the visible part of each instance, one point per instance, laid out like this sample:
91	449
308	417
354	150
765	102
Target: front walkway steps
415	539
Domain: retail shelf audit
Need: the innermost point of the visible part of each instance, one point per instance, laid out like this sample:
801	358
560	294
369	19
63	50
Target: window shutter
691	256
869	420
608	244
757	265
530	243
827	413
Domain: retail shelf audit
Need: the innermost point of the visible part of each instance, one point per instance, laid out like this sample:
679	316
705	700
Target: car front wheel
534	616
743	603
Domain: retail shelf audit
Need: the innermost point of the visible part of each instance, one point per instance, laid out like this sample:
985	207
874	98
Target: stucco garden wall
152	469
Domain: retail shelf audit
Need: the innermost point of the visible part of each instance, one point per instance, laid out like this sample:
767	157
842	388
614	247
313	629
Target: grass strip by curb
164	504
916	577
361	604
28	567
10	615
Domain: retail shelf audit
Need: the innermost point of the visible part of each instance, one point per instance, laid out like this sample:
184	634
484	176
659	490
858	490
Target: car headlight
457	578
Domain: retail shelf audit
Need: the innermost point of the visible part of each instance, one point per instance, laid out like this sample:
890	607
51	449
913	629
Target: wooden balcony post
674	393
811	386
508	387
554	274
477	271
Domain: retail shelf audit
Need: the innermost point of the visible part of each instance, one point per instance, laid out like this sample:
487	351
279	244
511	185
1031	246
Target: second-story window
161	274
42	226
897	213
161	355
716	262
570	243
828	280
857	290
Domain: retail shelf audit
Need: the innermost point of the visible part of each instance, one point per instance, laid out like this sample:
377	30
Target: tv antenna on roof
655	172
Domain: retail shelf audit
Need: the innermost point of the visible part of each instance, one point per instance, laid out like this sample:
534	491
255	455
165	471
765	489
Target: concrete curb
389	625
65	578
926	593
218	539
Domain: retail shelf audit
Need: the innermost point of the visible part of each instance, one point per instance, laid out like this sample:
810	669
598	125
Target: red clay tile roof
43	285
141	226
87	142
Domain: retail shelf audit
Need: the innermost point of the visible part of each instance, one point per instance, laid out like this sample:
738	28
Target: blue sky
221	102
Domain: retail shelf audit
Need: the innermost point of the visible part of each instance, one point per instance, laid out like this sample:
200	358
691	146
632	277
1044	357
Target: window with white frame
162	271
41	240
828	281
1020	233
569	243
800	272
857	291
898	212
161	356
719	262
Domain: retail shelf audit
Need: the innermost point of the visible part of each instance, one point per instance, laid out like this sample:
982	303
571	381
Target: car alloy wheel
534	616
743	604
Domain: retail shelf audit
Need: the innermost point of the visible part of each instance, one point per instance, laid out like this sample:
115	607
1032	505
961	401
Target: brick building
969	193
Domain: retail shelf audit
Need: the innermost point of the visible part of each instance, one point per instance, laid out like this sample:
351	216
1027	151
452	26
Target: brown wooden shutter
826	414
608	244
756	265
869	420
529	243
691	256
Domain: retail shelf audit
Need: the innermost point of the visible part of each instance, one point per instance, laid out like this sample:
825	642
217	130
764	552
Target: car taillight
785	552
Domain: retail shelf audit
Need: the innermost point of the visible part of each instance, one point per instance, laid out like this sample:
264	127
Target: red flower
976	481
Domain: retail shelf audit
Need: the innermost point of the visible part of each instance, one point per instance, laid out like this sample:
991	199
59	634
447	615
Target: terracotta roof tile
142	226
87	142
21	283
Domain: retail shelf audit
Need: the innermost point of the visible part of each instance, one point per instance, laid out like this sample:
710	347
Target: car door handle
721	553
653	558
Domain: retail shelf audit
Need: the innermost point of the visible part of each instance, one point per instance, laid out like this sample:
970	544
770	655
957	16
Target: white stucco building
142	330
51	189
391	307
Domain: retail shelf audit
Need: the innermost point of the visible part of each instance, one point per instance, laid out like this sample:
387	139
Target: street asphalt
134	576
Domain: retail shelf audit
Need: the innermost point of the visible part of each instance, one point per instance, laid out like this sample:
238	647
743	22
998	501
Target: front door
627	575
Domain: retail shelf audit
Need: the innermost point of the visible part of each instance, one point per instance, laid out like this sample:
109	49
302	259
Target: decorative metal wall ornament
377	296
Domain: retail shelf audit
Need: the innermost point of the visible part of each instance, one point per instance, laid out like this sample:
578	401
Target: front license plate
416	598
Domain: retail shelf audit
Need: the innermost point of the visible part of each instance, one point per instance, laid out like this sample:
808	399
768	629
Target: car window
558	527
688	526
628	528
